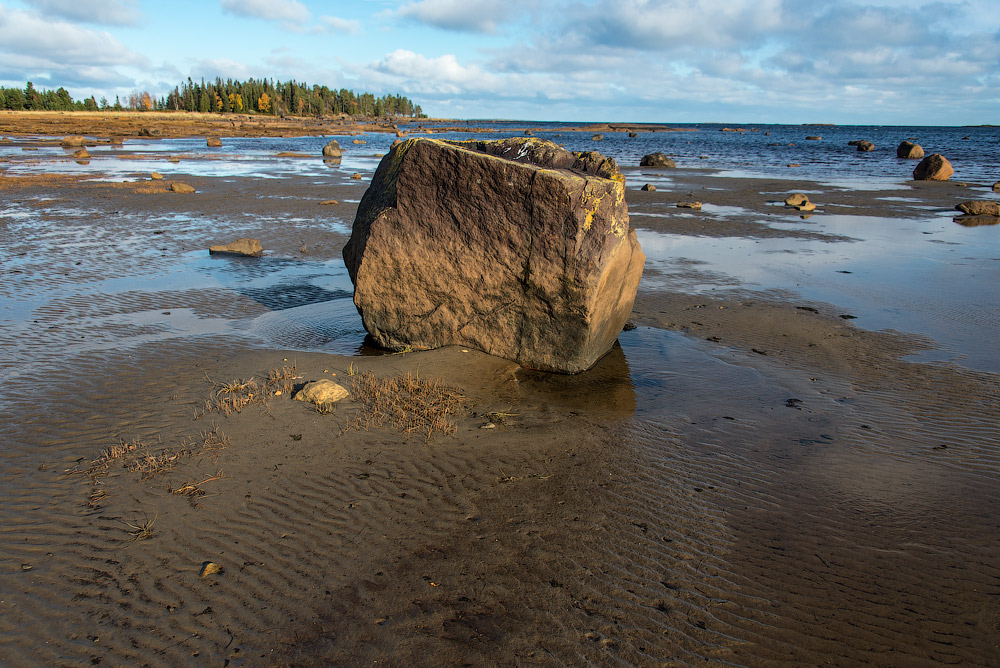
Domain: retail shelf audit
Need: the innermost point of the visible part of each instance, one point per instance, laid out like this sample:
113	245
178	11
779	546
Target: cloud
291	11
104	12
58	45
479	16
338	25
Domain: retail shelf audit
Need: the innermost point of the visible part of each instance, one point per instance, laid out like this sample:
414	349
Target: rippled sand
749	479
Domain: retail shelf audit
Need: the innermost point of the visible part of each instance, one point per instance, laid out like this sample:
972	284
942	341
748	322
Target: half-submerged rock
934	167
656	160
332	151
516	247
909	151
246	247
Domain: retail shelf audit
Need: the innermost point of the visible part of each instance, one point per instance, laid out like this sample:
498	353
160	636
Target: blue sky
904	62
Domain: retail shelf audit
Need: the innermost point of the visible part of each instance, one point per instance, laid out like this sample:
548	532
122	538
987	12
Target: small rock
26	567
689	205
356	176
934	167
813	138
400	133
793	164
865	145
910	151
980	208
633	134
854	142
210	568
806	206
528	133
156	176
597	137
795	199
489	425
330	202
332	150
81	154
996	187
247	247
649	187
323	391
656	160
359	141
74	141
179	187
213	142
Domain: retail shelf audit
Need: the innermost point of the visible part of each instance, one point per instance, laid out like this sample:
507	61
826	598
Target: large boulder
73	141
213	142
516	247
656	160
909	151
332	151
934	167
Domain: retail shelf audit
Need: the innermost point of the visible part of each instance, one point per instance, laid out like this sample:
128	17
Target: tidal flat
790	459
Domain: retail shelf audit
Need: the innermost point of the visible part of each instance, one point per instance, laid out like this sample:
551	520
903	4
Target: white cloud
105	12
441	74
482	16
292	11
338	25
59	45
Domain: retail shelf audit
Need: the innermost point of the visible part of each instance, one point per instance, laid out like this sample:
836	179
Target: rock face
910	151
656	160
980	208
934	167
865	145
333	151
516	247
248	247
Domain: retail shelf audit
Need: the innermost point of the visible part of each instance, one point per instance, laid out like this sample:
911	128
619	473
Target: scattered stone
633	134
980	208
793	164
528	133
649	187
656	160
156	176
333	150
597	137
865	145
213	142
359	141
996	187
246	247
73	141
179	187
356	176
117	141
799	201
689	205
910	151
805	206
854	142
81	154
813	138
330	202
174	159
400	133
210	568
149	132
544	270
934	167
322	392
292	154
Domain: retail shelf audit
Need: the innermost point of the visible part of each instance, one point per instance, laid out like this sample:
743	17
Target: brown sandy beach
749	479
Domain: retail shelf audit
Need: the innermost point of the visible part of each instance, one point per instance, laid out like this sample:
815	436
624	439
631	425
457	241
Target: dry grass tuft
409	403
234	396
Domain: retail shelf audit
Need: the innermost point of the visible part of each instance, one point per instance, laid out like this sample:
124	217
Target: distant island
253	96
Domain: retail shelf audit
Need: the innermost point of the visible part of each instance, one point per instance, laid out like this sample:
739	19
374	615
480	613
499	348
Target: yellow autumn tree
147	102
218	102
264	103
235	102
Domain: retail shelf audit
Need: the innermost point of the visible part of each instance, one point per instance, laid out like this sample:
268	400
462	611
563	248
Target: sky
879	62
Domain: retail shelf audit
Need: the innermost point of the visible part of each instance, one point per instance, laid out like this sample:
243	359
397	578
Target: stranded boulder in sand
516	247
332	151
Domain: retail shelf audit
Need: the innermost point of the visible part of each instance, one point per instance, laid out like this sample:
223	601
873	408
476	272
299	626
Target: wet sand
748	479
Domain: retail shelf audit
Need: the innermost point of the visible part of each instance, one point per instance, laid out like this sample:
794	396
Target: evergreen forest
256	96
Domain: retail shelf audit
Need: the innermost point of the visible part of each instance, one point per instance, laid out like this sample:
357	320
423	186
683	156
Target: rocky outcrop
213	142
247	247
910	151
934	167
980	208
516	247
656	160
332	151
865	145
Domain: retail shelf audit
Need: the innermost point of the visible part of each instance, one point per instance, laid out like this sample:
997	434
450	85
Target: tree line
260	96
